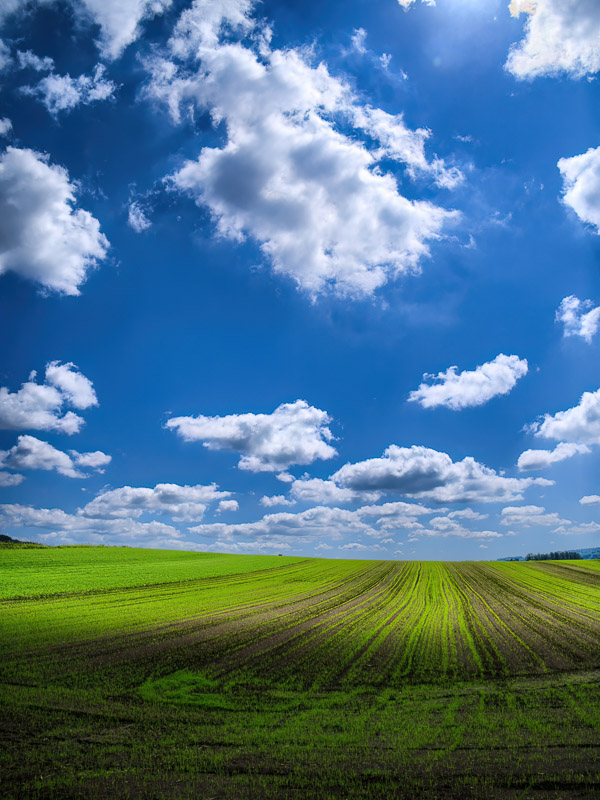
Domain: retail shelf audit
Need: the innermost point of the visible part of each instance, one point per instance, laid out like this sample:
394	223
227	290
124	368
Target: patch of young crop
297	678
57	570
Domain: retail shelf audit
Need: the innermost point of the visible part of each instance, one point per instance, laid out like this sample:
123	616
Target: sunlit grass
133	673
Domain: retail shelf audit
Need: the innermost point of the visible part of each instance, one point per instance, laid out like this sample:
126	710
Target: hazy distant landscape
150	673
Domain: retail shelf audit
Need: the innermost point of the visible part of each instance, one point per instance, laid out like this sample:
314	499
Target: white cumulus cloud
471	387
579	317
529	516
95	460
447	524
357	546
561	37
579	424
590	500
541	459
40	406
321	522
316	490
76	388
268	501
181	502
399	142
581	185
575	529
313	197
42	237
228	505
467	513
295	433
395	517
32	453
5	126
460	533
10	479
429	474
63	93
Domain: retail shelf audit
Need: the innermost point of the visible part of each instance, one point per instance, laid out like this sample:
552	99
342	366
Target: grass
136	673
56	570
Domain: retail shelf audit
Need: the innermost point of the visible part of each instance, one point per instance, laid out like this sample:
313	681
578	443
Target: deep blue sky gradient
177	321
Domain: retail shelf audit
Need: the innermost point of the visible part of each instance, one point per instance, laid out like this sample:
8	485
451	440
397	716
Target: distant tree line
555	556
8	542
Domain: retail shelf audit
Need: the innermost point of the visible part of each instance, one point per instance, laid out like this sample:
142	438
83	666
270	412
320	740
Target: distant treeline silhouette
557	556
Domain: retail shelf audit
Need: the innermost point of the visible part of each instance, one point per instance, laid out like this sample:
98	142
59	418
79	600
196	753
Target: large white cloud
63	93
32	453
181	502
40	406
428	474
42	237
295	433
581	185
579	424
541	459
313	197
471	387
561	36
579	317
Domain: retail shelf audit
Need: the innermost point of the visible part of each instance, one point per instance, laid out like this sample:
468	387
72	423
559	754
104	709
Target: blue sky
309	278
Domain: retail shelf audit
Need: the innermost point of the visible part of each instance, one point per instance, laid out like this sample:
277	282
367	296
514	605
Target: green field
147	674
